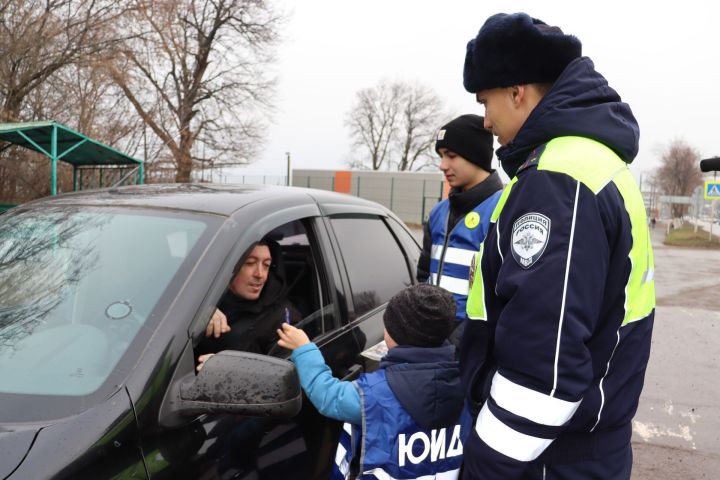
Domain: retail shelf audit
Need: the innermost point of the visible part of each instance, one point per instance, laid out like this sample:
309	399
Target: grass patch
686	236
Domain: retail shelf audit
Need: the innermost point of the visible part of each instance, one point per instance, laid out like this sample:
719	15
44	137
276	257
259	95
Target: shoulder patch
530	235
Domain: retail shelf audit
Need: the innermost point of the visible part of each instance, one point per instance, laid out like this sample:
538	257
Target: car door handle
352	373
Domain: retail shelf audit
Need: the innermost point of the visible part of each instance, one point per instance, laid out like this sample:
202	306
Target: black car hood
14	446
70	447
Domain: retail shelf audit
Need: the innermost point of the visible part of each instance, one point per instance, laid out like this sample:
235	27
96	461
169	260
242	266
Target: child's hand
291	337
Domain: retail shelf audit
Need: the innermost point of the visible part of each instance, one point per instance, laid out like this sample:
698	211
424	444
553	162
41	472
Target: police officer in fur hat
457	225
561	309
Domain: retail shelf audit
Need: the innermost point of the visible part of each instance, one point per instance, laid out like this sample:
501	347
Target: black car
105	295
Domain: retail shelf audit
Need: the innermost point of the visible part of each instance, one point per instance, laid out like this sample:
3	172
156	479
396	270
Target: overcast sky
662	58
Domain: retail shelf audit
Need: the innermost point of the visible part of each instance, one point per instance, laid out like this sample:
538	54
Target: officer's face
459	173
250	279
504	114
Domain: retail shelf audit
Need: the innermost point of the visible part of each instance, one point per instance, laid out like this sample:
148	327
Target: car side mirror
241	383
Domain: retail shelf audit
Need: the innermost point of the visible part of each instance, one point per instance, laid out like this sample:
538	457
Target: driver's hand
291	337
217	325
202	359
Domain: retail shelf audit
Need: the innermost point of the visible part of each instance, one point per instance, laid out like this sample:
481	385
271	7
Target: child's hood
426	382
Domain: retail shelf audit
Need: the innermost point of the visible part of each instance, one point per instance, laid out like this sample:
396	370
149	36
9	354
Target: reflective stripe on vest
452	253
391	445
342	466
594	165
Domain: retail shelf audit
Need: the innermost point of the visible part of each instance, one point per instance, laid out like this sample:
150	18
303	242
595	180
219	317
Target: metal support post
287	181
392	191
53	161
712	211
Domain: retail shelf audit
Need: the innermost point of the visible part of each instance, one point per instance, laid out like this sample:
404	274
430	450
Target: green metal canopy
59	142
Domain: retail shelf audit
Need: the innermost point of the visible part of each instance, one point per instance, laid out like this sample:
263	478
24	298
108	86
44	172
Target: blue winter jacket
416	395
453	247
431	396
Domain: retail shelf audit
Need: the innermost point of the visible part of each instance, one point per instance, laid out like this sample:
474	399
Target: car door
337	319
362	247
227	446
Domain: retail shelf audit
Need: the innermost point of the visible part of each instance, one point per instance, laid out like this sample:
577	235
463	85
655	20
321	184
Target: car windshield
76	286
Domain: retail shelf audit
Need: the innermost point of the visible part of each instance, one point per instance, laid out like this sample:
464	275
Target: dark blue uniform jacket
554	345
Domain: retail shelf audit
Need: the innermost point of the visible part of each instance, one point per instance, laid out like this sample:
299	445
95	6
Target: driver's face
250	279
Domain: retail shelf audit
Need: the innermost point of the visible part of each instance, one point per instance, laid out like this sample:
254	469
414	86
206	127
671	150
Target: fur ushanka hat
516	49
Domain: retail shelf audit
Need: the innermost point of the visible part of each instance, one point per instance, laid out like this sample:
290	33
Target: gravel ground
677	426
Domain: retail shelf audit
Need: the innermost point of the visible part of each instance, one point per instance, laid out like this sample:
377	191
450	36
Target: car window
374	261
292	289
307	280
412	247
75	289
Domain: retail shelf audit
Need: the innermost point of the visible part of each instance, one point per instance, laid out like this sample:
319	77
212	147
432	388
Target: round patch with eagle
530	236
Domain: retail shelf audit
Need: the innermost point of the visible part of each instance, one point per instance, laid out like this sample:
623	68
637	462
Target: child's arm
332	397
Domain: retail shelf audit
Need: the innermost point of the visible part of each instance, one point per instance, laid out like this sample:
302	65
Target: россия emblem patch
530	236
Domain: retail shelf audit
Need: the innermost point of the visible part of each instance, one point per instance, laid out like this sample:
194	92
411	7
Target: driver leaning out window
254	306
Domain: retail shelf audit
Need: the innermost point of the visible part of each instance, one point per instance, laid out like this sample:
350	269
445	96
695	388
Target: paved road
676	432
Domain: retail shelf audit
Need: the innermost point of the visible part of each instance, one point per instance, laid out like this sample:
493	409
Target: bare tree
393	125
423	113
196	73
100	110
372	121
678	174
41	37
40	40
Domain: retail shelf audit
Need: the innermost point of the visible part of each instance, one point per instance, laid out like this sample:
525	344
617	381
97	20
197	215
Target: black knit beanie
467	137
422	316
516	49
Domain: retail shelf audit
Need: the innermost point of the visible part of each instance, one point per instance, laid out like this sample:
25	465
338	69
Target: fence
259	179
410	195
102	176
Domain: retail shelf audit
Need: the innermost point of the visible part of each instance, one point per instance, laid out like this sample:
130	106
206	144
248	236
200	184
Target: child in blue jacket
403	420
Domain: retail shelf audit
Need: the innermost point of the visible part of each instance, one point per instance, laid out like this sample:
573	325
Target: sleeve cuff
300	350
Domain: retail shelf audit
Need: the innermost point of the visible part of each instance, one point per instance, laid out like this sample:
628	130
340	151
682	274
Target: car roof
219	199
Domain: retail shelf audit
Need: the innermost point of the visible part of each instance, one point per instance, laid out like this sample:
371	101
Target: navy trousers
613	467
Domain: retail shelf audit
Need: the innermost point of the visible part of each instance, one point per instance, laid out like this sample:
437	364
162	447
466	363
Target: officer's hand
291	337
217	325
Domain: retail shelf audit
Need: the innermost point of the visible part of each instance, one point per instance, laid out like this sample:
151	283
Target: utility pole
288	182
